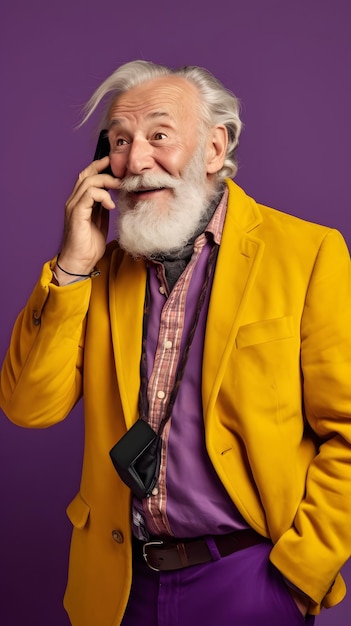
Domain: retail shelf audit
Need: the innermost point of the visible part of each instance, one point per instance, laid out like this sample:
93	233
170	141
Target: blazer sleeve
41	377
313	551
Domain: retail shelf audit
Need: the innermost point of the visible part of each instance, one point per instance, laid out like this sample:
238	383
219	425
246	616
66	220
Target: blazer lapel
127	294
239	257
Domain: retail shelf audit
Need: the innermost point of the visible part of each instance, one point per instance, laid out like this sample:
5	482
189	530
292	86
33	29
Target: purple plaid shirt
190	500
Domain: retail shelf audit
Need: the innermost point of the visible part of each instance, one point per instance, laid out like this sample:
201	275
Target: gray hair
217	104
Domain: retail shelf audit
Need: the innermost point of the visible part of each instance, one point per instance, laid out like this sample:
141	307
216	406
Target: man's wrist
61	280
297	589
300	597
301	601
63	275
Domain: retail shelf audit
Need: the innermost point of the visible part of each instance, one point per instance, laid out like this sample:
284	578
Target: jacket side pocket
78	511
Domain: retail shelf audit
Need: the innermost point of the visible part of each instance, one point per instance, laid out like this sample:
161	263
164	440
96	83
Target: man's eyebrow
156	114
116	121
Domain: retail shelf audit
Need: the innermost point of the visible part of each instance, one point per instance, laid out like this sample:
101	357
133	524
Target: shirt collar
216	223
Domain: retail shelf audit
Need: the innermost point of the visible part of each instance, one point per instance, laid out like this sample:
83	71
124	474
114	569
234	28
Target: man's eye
160	136
121	142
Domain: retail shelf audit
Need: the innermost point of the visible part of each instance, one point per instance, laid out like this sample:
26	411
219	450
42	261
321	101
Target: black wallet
137	458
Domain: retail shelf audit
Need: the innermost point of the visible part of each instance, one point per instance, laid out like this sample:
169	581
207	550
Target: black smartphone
103	149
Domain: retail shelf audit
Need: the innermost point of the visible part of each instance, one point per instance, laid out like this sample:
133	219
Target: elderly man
212	344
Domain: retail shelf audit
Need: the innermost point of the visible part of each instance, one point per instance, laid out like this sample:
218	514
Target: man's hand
86	221
301	601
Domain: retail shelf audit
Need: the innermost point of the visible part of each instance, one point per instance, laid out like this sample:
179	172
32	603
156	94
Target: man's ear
216	149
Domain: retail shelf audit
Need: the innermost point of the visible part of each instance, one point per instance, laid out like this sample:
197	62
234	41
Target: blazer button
36	318
117	536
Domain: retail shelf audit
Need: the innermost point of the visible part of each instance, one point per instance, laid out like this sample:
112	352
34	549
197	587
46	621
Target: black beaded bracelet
91	275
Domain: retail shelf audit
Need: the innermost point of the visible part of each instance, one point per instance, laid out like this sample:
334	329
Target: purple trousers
242	589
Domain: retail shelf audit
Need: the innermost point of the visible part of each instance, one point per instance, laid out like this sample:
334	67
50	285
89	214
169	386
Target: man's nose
140	156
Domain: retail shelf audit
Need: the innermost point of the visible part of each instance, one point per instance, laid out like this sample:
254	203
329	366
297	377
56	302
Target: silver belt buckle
151	543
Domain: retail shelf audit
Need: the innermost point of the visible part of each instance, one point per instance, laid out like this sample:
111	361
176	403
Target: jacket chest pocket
265	331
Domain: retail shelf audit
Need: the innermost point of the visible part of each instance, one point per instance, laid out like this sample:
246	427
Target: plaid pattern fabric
167	358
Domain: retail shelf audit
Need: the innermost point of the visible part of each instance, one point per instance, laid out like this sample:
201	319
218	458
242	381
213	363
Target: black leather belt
171	554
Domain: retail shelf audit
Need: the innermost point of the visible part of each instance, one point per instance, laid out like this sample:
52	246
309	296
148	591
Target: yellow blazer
276	397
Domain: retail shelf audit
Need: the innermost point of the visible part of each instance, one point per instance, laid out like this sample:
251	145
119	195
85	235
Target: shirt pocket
265	331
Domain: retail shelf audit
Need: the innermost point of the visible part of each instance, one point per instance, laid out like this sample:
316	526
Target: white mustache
148	181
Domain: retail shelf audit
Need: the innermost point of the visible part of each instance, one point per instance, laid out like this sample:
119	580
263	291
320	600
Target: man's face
154	129
166	161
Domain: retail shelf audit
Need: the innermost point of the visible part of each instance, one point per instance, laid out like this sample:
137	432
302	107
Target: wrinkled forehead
169	95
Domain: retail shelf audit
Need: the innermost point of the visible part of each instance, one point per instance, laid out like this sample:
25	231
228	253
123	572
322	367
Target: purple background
289	63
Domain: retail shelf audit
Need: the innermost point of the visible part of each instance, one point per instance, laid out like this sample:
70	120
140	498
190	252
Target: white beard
148	229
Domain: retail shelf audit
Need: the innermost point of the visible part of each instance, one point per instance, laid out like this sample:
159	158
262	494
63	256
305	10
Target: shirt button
162	290
154	492
161	394
117	536
168	344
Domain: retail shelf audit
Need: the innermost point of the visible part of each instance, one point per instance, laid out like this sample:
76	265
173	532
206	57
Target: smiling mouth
140	191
